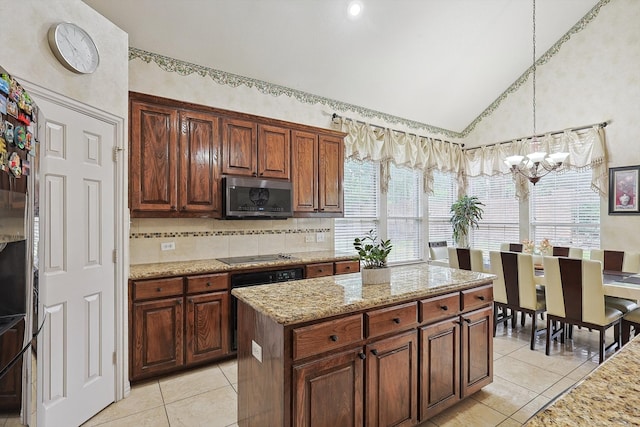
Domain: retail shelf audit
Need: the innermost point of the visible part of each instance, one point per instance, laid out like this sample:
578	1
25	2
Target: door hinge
116	150
115	358
115	255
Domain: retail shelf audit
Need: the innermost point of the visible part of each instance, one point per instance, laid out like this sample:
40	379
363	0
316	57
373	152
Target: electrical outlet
319	237
309	238
256	351
168	246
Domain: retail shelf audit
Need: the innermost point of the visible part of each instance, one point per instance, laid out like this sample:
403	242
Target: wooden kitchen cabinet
166	335
318	166
323	269
252	149
477	350
174	161
11	383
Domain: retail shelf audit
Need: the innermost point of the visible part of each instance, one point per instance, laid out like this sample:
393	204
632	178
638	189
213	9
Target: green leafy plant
373	252
465	214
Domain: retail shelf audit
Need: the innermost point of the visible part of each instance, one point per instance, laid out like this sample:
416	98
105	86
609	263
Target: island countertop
310	299
606	397
203	266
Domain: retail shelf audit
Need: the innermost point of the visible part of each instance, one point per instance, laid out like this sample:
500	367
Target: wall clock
74	48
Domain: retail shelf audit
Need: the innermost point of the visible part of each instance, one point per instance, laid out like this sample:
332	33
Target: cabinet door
439	366
157	337
330	174
477	350
207	332
199	163
274	150
239	147
392	381
153	158
11	382
328	392
305	171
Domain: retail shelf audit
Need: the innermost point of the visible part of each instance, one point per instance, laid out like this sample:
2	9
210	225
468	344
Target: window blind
565	210
361	201
445	192
404	206
500	220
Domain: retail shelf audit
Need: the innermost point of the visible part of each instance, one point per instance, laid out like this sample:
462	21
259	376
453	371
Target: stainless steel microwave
255	198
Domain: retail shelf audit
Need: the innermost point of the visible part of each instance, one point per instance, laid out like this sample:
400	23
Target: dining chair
438	253
613	262
629	320
575	296
466	259
511	247
514	289
567	252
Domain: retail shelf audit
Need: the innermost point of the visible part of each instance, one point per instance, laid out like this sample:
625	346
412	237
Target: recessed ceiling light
355	8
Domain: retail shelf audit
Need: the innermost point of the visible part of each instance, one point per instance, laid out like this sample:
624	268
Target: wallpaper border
222	233
184	68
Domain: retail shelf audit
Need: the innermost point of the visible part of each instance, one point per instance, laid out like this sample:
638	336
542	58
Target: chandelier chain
534	68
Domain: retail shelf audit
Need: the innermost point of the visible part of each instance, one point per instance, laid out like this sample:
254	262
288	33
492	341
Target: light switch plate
256	351
319	237
168	246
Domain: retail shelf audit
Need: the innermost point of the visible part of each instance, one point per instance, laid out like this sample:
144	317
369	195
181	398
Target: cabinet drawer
343	267
207	282
157	288
477	297
397	318
325	336
439	307
319	270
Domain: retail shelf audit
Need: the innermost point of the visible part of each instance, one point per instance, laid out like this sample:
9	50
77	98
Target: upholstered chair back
466	259
511	247
574	289
515	284
567	252
628	262
438	250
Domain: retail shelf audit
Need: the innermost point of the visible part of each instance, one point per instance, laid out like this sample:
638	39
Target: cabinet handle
374	352
334	338
184	208
396	320
191	300
444	307
179	302
173	208
457	322
319	270
348	267
255	174
362	356
159	289
208	284
481	297
467	320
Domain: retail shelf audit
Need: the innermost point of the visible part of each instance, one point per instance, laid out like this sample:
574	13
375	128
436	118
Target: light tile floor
524	381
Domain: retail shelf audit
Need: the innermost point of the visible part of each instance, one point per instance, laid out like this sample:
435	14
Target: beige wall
594	77
26	55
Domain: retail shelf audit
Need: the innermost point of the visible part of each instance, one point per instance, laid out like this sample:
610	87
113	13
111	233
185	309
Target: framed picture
623	190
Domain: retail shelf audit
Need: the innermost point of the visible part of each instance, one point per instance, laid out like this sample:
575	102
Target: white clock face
74	48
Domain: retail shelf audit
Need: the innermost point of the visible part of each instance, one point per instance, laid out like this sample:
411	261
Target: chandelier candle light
537	164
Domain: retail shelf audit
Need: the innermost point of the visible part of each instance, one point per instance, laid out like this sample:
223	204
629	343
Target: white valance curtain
586	149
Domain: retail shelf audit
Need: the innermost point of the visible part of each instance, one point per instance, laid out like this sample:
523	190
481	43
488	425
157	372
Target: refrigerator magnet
3	104
26	167
4	84
20	136
15	164
12	108
8	132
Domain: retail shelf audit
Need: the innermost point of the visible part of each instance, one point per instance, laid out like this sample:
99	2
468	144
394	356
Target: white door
76	349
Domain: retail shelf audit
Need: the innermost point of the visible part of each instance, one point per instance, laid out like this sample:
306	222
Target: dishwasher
239	280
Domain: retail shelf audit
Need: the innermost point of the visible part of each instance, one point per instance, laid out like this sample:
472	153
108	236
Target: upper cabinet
318	164
252	149
179	151
174	162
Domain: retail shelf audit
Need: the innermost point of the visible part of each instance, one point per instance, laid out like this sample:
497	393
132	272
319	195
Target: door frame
121	214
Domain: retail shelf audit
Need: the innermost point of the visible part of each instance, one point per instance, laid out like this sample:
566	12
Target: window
564	209
500	220
445	192
361	189
404	214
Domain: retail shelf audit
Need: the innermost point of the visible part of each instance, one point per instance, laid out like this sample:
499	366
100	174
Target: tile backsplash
202	238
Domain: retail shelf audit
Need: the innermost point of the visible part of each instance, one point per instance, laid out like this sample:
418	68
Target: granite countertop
202	266
310	299
609	396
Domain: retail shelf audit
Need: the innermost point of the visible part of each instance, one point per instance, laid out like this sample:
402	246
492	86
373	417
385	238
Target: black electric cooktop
253	259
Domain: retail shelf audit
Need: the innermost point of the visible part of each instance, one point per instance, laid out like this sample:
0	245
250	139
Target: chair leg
601	358
514	318
523	314
533	330
625	331
549	332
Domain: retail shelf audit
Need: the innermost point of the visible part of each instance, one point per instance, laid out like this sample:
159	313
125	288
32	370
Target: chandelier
535	165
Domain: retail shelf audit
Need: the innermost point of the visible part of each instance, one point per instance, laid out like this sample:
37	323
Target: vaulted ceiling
437	62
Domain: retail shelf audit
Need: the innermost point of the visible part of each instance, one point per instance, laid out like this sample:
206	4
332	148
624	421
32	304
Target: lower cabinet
477	350
177	322
11	383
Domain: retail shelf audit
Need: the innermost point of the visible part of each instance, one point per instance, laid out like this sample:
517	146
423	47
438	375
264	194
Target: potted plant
465	214
373	254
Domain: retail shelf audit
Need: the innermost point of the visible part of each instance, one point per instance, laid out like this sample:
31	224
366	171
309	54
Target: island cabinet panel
153	158
239	147
391	319
392	381
326	336
477	350
345	267
157	337
207	330
439	366
328	392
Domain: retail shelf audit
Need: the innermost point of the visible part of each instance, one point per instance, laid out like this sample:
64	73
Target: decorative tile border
233	80
224	233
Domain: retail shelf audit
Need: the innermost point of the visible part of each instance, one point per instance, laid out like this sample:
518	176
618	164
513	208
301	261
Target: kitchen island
332	352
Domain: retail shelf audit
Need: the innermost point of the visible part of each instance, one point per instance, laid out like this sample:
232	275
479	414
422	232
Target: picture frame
623	190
